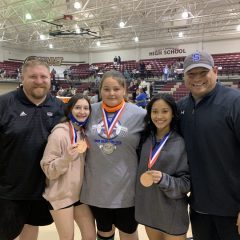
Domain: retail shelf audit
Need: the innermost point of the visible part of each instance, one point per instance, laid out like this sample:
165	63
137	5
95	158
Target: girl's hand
156	175
72	151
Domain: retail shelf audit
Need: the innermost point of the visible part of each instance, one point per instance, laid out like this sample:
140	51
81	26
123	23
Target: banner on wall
52	61
167	51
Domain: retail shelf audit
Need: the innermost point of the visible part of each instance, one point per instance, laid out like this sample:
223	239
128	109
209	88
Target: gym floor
50	232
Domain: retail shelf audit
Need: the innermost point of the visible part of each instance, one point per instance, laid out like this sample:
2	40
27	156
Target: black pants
209	227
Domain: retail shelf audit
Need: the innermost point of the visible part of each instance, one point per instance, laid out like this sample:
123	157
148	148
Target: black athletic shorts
78	203
15	213
121	218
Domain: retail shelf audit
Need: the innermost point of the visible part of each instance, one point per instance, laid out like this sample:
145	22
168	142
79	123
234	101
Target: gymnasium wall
68	58
166	51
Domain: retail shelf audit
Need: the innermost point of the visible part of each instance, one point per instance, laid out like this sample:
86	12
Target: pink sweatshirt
64	172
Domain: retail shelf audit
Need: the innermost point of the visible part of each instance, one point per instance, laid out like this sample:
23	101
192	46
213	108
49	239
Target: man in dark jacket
210	125
27	118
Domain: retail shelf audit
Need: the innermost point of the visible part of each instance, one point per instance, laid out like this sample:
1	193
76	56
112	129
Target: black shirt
24	129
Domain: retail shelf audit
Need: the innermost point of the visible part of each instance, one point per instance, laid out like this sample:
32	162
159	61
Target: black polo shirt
24	129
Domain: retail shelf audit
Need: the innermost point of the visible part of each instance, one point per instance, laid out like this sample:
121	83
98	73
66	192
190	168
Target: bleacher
80	71
80	86
229	64
178	89
10	68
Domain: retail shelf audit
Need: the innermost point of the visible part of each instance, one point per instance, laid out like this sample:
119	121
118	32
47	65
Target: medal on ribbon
81	144
146	178
108	147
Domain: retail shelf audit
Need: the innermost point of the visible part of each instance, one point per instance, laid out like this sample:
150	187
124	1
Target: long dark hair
71	103
150	128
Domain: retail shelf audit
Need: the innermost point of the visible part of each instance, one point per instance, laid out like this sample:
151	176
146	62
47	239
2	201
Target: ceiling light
77	5
180	34
98	43
185	14
136	39
121	24
28	16
42	37
78	30
50	45
238	27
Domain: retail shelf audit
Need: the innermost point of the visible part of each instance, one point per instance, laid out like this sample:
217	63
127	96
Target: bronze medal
82	146
146	179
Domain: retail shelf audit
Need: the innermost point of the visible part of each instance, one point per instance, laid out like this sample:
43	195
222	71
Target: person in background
163	179
133	88
18	74
95	97
149	70
166	72
60	91
111	164
28	115
86	92
119	60
127	75
142	69
65	74
53	75
63	164
141	98
210	125
115	61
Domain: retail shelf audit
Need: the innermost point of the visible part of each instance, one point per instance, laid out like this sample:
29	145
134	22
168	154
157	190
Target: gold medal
82	146
146	179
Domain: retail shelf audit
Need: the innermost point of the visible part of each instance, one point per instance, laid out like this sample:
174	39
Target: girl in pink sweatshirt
63	165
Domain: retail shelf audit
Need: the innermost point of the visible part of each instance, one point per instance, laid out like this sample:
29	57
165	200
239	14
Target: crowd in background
142	157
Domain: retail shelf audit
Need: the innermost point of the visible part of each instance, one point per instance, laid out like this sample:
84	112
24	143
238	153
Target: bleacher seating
11	68
80	71
178	89
229	64
80	86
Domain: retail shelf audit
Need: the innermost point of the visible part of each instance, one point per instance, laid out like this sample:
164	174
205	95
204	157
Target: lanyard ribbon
109	125
154	154
73	133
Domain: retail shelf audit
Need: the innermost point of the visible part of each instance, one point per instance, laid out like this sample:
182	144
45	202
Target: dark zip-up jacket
211	130
24	129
